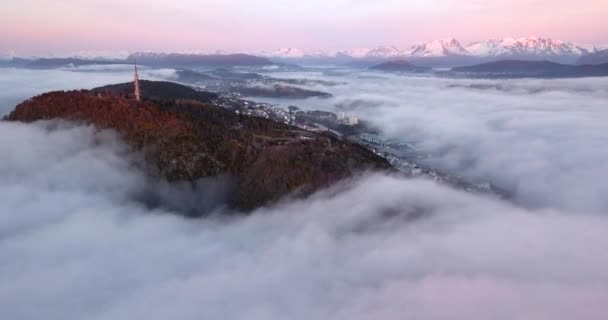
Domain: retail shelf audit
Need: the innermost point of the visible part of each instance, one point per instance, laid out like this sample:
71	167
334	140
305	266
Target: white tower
136	84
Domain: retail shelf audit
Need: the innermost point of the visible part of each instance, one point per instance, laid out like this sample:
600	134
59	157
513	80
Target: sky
37	27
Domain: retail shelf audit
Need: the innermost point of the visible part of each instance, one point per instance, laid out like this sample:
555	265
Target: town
403	156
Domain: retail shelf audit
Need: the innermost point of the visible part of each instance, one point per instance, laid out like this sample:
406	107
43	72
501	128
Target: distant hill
399	66
53	63
232	75
191	76
158	90
280	91
599	57
149	59
252	84
186	140
512	66
15	63
178	60
534	69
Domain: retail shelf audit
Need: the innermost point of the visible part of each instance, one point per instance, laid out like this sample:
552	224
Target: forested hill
186	140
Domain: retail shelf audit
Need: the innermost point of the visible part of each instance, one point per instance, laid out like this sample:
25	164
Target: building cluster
234	102
381	146
401	155
347	120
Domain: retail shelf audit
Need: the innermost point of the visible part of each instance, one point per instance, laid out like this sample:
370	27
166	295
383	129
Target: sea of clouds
77	242
542	140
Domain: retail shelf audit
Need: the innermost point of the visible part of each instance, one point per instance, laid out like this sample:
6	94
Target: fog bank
76	245
542	140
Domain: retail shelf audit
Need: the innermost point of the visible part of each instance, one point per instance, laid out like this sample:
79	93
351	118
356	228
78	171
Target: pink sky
64	26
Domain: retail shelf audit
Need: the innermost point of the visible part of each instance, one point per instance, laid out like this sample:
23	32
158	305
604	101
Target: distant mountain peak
438	48
384	52
531	46
287	52
357	53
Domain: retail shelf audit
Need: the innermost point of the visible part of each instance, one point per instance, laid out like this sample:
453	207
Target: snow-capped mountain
358	53
321	54
384	52
525	47
438	48
380	52
449	52
292	53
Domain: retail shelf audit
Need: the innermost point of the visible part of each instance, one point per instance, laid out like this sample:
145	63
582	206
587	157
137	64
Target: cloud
543	140
77	242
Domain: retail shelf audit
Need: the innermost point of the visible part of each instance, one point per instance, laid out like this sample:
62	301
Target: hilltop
158	90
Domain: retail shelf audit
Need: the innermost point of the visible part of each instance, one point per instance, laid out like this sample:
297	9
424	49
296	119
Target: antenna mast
136	84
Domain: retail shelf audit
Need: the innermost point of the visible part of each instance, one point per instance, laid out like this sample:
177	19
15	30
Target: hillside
186	140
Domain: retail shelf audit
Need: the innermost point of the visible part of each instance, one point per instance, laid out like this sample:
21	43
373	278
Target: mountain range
447	52
526	48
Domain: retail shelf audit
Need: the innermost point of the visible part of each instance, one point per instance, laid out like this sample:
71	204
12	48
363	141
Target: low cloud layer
77	242
543	140
75	245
